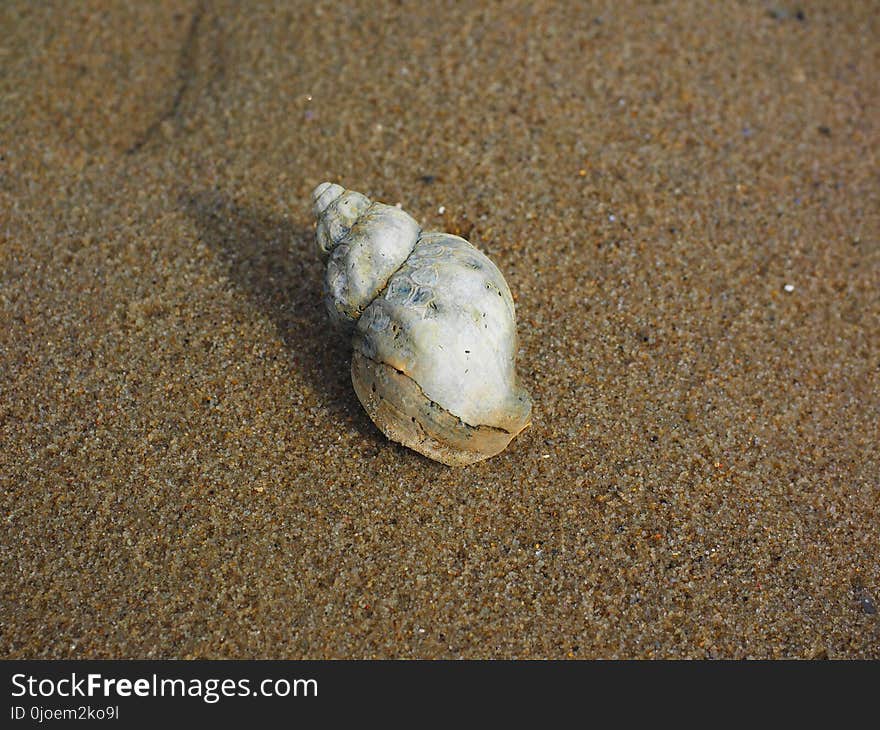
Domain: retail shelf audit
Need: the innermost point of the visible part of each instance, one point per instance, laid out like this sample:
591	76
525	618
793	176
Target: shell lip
511	430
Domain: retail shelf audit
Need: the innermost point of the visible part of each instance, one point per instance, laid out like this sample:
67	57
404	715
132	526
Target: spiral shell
434	329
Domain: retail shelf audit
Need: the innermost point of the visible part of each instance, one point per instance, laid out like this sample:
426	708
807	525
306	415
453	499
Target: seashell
433	329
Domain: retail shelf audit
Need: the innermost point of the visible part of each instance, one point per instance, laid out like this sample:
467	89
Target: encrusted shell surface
435	335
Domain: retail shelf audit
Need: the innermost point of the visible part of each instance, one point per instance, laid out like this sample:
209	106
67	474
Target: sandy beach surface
685	201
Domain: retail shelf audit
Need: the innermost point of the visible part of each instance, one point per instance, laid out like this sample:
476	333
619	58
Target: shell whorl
366	243
323	195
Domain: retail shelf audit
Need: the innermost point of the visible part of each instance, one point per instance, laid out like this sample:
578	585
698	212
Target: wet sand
684	199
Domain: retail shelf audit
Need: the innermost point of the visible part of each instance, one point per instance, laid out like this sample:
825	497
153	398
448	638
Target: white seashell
434	329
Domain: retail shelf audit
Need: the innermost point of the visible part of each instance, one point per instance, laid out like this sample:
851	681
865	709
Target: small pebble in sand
789	288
